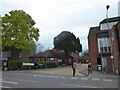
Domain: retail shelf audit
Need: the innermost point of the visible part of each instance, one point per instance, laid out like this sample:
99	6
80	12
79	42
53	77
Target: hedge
47	64
16	65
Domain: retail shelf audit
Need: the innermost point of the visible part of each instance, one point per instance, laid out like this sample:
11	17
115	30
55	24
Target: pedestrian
89	69
74	67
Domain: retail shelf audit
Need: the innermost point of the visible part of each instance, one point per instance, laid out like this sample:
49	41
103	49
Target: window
105	26
104	45
112	36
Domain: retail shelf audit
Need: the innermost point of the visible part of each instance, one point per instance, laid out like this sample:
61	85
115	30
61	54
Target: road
41	80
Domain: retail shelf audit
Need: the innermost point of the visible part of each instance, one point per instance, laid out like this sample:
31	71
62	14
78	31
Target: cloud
54	16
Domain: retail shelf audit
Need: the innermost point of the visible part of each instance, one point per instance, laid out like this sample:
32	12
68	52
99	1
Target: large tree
18	31
68	42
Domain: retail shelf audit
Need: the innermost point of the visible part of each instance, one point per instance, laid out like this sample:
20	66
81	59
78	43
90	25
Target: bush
17	65
14	64
47	64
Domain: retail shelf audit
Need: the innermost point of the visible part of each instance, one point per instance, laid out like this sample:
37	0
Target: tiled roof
50	54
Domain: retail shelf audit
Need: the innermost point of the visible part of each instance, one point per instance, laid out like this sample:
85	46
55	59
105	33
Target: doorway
104	64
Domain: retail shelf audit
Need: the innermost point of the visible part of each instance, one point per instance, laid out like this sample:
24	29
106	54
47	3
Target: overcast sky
54	16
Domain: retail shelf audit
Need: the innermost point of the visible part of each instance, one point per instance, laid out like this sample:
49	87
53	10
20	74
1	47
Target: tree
67	42
83	54
18	31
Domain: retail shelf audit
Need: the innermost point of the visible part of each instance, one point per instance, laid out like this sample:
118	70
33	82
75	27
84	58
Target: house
74	55
50	55
85	59
104	45
115	44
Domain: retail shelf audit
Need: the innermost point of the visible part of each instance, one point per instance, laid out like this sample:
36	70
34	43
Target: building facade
104	45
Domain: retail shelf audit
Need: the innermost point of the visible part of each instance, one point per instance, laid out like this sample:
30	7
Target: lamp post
107	7
112	58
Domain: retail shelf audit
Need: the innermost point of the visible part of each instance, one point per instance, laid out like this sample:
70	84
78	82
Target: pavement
99	74
81	70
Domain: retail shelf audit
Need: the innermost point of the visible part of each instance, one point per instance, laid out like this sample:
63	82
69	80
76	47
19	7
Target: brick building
104	45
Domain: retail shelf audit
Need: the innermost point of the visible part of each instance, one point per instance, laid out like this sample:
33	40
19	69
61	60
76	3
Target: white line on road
50	76
74	78
64	78
95	79
84	78
78	86
107	80
9	82
4	87
27	80
56	77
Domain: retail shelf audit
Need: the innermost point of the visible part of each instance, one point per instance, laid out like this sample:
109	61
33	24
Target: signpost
28	64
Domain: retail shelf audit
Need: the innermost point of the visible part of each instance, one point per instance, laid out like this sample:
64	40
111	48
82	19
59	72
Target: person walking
74	67
89	69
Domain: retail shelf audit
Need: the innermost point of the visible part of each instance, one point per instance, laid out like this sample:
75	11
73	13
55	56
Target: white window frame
102	43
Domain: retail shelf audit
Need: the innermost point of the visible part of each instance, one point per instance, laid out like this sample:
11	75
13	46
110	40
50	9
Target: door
104	64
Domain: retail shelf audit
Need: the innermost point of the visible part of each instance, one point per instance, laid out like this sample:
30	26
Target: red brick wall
109	64
118	27
76	56
115	48
93	52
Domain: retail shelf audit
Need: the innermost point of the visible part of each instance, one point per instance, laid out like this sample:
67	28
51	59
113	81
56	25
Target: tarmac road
48	79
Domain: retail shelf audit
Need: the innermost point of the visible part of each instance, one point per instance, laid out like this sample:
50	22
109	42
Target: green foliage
48	64
17	65
18	30
13	63
85	53
68	42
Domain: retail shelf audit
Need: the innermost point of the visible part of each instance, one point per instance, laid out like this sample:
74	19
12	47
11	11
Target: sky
54	16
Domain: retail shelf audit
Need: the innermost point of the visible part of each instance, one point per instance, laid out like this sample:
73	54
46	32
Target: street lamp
107	7
113	65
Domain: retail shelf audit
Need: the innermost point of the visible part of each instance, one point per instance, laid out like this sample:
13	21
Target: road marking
89	87
41	75
50	76
27	80
9	82
78	86
107	80
64	78
84	78
95	79
56	77
4	87
35	75
66	84
74	78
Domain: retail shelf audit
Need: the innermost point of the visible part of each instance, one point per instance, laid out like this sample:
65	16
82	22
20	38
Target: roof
50	54
111	19
93	31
